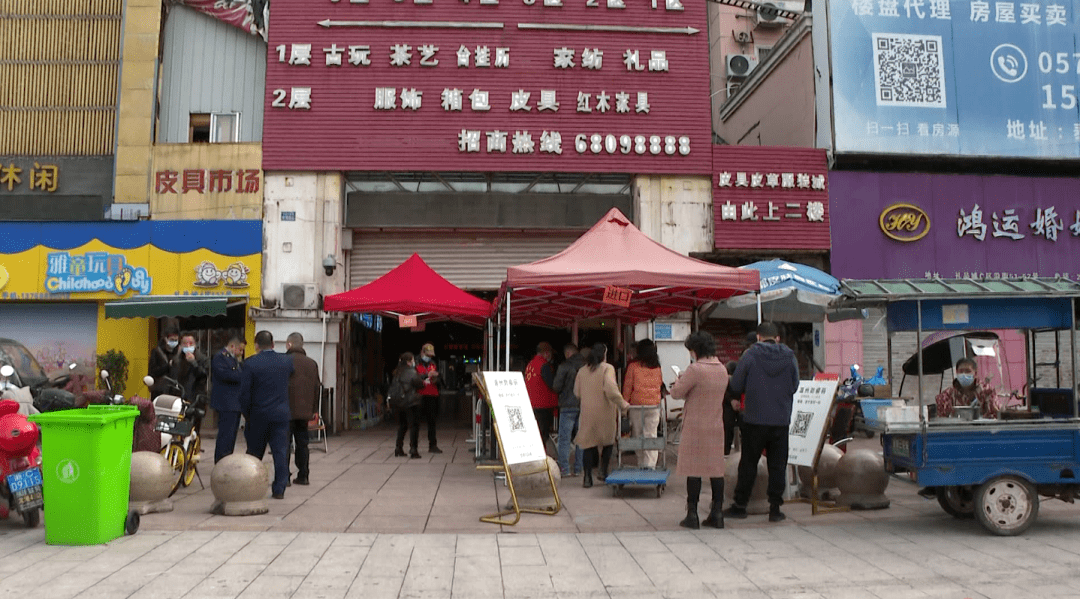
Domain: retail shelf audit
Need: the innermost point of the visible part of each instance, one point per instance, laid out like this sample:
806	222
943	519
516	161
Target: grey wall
209	66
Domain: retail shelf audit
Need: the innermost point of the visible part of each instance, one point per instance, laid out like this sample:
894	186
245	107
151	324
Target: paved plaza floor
371	525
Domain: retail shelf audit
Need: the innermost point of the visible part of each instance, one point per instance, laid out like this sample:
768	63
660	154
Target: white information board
809	416
513	414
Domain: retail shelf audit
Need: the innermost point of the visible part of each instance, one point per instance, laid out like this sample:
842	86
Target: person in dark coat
226	386
768	373
162	363
405	400
569	409
265	405
305	387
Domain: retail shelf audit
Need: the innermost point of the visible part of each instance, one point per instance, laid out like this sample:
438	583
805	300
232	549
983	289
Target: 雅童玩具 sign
553	85
961	77
93	272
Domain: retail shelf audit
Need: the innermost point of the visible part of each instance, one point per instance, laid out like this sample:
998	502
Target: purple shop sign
903	225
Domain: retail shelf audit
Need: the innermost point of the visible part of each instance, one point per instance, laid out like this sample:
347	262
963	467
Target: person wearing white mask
191	367
161	358
967	390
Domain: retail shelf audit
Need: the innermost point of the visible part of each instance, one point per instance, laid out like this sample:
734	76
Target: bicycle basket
171	425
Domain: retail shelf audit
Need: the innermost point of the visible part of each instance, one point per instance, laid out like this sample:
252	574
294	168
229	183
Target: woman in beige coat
701	447
601	403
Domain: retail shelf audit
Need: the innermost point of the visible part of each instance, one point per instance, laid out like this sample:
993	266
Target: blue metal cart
994	470
658	477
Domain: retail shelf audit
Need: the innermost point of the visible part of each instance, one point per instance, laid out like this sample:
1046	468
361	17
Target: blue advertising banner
961	77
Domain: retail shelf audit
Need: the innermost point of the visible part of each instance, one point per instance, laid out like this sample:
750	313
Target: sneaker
735	511
278	496
434	449
301	481
775	515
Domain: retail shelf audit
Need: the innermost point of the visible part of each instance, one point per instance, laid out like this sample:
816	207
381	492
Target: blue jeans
568	428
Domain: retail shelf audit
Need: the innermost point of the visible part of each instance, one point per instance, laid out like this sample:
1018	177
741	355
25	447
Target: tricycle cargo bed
1040	451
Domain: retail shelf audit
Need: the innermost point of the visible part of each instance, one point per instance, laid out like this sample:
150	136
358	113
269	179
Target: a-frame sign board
518	437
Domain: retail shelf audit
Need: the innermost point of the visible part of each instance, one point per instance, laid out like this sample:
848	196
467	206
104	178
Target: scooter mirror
72	366
148	380
104	374
6	370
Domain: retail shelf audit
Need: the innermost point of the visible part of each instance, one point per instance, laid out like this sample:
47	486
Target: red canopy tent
413	288
570	286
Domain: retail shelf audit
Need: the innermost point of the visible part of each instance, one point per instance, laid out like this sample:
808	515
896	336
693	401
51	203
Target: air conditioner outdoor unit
766	15
740	65
743	37
299	296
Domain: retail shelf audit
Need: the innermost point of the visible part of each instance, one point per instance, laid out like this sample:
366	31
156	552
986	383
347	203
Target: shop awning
169	305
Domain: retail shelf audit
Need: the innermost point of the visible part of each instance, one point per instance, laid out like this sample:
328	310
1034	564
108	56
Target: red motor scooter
20	465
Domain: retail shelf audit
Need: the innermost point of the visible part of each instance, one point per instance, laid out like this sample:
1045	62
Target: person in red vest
539	378
429	394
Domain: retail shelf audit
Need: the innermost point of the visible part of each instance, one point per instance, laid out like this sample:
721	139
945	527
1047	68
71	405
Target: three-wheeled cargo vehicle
995	469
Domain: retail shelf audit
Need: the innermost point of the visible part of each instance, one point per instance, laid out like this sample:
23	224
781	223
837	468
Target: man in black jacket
569	409
226	378
768	374
162	359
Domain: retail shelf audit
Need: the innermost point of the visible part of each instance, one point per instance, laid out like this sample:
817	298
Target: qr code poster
909	70
514	416
809	415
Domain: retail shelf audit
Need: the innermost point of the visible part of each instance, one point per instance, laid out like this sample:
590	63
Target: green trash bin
86	473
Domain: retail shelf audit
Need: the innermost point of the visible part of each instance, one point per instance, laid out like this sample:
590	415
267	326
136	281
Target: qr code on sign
517	423
909	70
801	426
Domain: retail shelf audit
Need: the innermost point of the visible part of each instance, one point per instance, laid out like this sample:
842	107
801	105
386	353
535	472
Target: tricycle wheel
131	524
958	502
32	518
1006	505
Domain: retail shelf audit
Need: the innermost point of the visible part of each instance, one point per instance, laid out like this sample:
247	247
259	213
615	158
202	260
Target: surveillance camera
328	265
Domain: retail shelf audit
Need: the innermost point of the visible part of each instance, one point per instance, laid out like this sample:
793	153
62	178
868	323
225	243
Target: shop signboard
207	181
54	187
488	85
106	261
770	198
907	225
956	77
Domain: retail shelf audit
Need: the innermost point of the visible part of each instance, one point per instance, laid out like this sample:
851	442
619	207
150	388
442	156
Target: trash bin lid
92	416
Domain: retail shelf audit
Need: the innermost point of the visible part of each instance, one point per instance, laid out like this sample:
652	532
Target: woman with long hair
403	397
642	386
701	448
601	403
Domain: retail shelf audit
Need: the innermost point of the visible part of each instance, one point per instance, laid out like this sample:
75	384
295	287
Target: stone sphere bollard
862	480
239	482
759	499
151	482
830	456
534	490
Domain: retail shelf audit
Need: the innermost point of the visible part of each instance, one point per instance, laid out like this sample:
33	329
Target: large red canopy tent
413	288
570	286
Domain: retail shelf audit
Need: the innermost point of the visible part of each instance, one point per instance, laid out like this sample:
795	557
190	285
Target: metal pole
506	366
1072	355
495	357
918	348
758	294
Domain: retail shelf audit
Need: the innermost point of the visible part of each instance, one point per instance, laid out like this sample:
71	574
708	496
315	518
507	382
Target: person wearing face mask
429	394
162	358
191	367
966	389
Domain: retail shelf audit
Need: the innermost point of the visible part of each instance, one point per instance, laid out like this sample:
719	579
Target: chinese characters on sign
486	86
619	296
39	177
93	272
207	181
748	210
518	431
1046	223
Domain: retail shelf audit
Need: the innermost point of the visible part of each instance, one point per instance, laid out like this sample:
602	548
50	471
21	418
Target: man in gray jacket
569	409
768	374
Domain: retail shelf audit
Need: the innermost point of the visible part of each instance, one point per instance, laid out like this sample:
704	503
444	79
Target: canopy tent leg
506	364
758	294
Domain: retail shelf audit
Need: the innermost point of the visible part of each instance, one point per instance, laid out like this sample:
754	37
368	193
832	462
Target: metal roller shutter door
472	261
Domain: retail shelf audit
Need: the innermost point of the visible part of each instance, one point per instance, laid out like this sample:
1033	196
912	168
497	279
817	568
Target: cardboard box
882	391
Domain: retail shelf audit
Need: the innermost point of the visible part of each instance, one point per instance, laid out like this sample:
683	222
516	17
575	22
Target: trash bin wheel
131	523
32	518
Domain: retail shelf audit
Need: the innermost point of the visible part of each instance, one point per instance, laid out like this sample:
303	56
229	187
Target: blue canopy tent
789	292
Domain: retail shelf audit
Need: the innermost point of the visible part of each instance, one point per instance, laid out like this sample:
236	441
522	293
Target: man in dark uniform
226	378
265	405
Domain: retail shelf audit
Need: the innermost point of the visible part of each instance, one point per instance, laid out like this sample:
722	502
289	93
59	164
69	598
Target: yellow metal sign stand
499	517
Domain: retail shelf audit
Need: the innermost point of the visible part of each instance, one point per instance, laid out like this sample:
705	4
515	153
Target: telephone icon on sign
1008	63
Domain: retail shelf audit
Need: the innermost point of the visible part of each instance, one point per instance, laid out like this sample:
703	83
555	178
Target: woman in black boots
701	447
601	403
